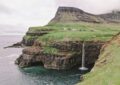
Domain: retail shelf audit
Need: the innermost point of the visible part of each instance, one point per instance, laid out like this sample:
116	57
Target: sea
11	74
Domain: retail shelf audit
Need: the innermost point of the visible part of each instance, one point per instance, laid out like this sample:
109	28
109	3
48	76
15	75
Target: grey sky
4	9
26	12
92	6
40	12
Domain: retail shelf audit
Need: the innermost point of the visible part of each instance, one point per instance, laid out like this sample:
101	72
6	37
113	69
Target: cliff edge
72	14
107	67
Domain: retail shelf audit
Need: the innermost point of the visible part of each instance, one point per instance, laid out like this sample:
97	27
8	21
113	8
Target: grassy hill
71	24
75	31
107	69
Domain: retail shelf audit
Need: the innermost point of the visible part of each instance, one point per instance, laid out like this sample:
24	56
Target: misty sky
40	12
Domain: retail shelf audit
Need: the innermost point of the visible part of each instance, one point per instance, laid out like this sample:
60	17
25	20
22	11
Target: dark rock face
34	35
27	42
71	14
16	45
65	60
111	17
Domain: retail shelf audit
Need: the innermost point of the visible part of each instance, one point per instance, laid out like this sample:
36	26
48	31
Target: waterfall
83	58
83	55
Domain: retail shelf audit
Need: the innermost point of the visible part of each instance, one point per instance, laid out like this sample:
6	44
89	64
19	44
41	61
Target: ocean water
11	74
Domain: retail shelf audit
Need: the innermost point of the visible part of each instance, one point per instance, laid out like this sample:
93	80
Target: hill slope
107	68
71	14
111	17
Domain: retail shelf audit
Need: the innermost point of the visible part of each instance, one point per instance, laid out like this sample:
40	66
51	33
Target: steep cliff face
71	14
111	17
104	58
69	55
31	36
107	67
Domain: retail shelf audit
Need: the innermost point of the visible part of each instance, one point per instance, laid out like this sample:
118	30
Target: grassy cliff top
76	31
107	69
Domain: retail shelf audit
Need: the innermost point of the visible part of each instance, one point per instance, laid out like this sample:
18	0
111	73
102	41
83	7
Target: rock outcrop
29	41
71	14
107	67
105	59
69	55
113	17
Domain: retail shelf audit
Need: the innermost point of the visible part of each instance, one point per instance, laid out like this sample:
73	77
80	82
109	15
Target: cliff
60	55
107	67
58	45
71	14
113	17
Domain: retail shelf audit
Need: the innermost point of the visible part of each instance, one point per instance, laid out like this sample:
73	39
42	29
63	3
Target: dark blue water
10	74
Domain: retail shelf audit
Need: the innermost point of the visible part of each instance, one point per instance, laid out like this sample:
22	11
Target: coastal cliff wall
69	55
107	67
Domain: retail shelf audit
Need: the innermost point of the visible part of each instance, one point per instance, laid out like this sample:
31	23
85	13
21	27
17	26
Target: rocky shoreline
16	45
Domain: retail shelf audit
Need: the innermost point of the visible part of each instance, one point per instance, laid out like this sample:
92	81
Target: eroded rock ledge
69	55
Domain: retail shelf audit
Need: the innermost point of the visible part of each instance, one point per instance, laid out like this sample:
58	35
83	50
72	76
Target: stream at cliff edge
10	74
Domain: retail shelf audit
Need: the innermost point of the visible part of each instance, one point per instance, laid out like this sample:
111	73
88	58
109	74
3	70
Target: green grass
79	27
77	31
73	36
50	50
106	73
73	32
28	37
